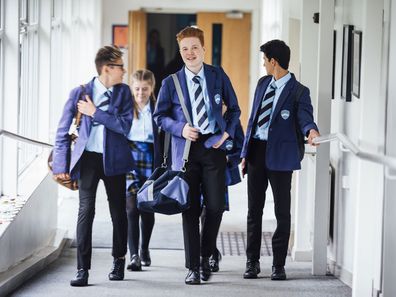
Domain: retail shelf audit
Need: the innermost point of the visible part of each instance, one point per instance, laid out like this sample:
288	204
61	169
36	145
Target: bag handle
79	114
75	126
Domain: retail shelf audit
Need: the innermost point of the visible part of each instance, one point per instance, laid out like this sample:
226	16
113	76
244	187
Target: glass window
217	37
1	16
1	84
56	64
28	96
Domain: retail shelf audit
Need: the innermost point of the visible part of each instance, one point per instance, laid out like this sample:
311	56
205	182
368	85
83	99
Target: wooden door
235	51
137	39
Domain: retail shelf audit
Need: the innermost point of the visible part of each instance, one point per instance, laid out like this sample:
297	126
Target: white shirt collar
190	75
100	87
282	81
146	108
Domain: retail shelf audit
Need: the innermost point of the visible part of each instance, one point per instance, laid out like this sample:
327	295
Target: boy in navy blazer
271	153
101	152
204	88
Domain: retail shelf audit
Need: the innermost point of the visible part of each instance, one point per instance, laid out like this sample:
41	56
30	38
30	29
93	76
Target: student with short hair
100	153
204	88
271	152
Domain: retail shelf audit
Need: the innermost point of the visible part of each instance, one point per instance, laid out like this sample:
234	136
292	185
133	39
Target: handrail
24	139
387	161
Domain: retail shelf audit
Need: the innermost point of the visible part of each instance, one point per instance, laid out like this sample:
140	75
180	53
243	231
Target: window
57	77
28	98
1	83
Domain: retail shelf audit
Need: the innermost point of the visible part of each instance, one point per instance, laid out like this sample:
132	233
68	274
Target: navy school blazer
169	115
234	158
117	121
282	152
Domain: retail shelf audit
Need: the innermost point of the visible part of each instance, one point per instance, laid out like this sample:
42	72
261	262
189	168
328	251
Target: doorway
224	47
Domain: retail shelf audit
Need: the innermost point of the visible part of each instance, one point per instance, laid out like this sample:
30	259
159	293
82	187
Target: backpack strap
299	89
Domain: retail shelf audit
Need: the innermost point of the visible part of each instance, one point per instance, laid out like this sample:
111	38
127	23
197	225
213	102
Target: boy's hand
243	167
312	134
222	139
86	107
190	133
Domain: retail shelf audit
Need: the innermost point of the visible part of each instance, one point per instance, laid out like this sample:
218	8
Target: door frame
255	66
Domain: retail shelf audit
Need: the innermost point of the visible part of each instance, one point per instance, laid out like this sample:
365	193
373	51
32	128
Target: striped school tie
104	104
266	107
202	116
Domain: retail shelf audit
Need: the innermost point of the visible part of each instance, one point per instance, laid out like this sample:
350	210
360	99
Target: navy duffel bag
165	191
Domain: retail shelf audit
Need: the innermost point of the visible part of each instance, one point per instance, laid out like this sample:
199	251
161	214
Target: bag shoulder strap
188	118
299	89
181	98
78	114
298	93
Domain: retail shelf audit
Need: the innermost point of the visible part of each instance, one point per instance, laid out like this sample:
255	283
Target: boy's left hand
222	139
312	134
86	107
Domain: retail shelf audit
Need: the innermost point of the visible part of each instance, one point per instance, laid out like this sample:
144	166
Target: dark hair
278	50
190	32
143	75
106	55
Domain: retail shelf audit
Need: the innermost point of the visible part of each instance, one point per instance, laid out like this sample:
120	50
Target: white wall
359	184
30	232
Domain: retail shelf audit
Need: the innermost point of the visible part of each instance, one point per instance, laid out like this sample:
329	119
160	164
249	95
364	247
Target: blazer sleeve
234	155
305	113
163	112
61	152
231	101
120	119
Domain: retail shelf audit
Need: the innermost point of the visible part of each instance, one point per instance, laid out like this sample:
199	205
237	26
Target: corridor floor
166	275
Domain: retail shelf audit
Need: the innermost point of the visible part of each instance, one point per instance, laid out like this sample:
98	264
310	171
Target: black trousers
258	177
90	174
147	224
205	175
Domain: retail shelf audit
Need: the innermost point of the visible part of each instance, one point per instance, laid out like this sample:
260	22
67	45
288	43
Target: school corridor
165	276
343	205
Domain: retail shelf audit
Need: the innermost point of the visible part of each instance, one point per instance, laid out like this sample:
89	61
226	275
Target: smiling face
141	91
192	53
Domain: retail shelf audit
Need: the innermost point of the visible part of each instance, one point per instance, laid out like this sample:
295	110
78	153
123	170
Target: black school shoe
145	257
81	278
278	273
117	271
214	261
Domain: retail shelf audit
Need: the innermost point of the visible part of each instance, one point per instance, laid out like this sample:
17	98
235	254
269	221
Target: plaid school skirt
143	155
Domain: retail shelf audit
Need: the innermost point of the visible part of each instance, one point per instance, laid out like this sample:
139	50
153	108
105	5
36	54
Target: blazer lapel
183	84
283	96
210	83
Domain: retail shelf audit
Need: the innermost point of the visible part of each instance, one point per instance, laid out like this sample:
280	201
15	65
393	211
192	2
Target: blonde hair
143	75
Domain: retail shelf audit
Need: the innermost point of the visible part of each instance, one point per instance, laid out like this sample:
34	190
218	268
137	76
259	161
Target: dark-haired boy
271	153
101	152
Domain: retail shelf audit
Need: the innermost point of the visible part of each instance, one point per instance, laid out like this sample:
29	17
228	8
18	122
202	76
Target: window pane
23	10
217	30
1	14
28	95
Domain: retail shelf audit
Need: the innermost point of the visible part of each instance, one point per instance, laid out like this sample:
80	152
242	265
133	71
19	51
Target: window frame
29	81
2	34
